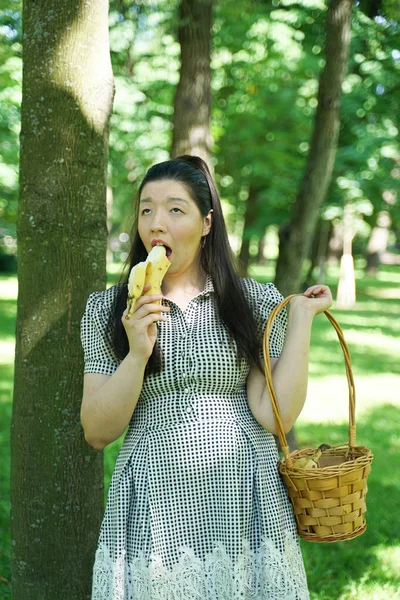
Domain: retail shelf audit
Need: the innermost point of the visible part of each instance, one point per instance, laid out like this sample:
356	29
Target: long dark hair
216	259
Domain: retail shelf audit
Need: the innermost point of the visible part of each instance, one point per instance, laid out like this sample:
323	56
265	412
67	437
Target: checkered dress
196	509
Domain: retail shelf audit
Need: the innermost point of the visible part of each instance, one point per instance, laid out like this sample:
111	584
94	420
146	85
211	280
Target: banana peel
152	271
311	462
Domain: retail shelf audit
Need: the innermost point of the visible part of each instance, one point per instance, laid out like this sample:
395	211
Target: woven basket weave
329	501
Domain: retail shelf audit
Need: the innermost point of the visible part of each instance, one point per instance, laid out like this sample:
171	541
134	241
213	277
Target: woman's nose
157	226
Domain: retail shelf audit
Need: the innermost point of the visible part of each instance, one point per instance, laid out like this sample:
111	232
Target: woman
196	508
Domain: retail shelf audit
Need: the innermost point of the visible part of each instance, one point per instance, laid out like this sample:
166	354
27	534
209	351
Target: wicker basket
329	501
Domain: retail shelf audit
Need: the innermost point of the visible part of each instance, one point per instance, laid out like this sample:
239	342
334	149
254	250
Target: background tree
192	102
56	478
264	73
296	236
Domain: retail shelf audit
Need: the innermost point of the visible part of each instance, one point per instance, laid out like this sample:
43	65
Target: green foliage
10	100
367	166
265	98
266	60
145	58
265	82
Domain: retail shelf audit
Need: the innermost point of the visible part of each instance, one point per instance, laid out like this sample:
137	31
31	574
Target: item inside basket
332	461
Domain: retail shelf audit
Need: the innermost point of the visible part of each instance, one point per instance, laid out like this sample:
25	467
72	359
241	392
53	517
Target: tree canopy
266	60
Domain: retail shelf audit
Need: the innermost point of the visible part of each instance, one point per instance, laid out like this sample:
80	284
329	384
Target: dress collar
208	289
208	286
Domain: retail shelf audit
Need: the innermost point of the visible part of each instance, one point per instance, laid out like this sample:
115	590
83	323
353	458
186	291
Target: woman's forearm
290	371
290	374
106	413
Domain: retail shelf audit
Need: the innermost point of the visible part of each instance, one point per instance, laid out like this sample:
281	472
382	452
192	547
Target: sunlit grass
375	591
327	397
392	275
388	560
7	350
8	287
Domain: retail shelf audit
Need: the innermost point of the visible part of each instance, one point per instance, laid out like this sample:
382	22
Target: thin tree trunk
56	478
249	221
346	293
295	240
110	202
260	251
318	255
192	103
377	243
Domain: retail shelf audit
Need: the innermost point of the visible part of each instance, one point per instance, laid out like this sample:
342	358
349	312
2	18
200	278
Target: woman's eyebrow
168	200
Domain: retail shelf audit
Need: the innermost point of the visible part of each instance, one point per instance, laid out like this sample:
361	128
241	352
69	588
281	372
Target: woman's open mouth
168	250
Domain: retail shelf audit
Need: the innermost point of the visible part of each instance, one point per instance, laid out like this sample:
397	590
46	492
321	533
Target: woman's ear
207	223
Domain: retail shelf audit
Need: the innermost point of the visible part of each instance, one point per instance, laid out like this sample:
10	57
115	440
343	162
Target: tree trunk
249	221
318	255
377	243
296	238
192	103
56	478
260	250
346	292
110	202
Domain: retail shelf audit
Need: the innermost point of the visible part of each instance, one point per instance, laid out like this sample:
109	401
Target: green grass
368	567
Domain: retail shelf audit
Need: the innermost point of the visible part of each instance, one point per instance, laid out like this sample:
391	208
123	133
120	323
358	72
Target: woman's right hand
141	328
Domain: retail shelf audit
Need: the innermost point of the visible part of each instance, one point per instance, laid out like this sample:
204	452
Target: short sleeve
268	299
99	355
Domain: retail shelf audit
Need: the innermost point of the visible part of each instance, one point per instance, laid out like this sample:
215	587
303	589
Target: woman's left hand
321	300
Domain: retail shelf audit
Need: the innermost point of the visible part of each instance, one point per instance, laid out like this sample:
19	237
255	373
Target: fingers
150	315
148	299
317	290
145	309
152	318
148	304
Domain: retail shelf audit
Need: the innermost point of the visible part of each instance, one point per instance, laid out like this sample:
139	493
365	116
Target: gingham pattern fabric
196	509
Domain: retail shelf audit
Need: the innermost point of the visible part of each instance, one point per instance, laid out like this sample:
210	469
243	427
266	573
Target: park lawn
368	567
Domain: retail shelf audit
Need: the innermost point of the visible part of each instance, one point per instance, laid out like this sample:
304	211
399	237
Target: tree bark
260	250
56	478
110	202
346	292
250	218
318	254
377	243
296	237
192	103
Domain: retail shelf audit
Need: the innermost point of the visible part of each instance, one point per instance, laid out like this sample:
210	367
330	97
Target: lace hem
266	574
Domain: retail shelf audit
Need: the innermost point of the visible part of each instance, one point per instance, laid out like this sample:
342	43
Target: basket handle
268	376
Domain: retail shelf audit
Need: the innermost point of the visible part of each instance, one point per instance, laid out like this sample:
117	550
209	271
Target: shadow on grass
331	567
327	357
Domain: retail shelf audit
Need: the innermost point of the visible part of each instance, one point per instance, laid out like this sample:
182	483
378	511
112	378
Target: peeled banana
152	271
311	462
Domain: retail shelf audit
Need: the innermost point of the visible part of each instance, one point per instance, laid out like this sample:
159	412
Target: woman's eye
177	209
143	211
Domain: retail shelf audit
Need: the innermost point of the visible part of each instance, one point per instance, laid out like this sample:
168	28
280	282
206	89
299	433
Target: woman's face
167	213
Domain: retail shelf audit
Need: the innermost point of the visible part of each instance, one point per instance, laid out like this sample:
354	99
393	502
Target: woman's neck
183	284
